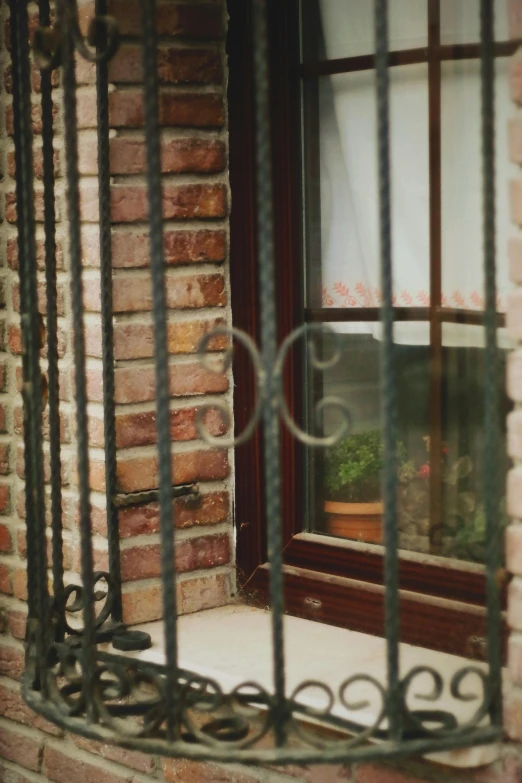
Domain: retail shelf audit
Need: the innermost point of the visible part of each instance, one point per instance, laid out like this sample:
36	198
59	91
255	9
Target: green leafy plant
353	468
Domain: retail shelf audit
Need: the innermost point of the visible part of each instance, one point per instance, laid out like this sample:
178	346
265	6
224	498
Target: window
325	191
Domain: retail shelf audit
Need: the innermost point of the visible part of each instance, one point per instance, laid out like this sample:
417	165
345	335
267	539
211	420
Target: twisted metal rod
388	380
168	570
492	490
109	420
272	461
65	13
52	325
35	497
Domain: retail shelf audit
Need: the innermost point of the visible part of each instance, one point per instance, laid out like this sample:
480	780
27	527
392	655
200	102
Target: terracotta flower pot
359	521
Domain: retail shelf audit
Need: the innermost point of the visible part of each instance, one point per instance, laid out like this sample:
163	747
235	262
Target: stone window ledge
240	650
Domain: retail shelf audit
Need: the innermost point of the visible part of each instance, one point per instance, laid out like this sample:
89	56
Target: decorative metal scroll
70	677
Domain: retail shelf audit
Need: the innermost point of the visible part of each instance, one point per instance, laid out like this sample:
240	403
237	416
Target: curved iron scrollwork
270	385
130	705
99	45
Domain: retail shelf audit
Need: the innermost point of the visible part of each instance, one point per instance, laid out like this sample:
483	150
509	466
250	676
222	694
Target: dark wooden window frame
328	580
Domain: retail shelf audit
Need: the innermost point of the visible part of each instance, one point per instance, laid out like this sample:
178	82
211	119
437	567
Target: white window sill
232	645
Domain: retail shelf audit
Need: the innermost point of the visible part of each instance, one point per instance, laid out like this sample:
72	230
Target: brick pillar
192	115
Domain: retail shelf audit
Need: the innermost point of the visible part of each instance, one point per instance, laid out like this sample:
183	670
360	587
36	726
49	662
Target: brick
175	66
138	384
17	622
136	340
189	511
180	247
63	768
515	77
19	576
514	492
129	203
37	163
21	748
3	375
186	771
13	707
514	375
194	554
208	592
514	434
36	118
139	429
14	339
5	539
319	773
513	713
141	605
5	580
42	298
141	762
139	473
182	110
178	156
515	140
376	773
11	661
10	213
514	613
513	544
12	254
199	21
515	19
134	294
515	658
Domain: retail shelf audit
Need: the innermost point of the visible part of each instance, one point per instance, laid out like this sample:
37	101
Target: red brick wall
192	70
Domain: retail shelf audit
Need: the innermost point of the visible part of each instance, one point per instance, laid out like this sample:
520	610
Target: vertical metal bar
109	422
435	223
37	550
389	392
52	324
168	571
269	337
491	380
75	260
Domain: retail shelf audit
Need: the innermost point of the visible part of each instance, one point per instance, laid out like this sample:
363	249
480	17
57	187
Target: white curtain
348	151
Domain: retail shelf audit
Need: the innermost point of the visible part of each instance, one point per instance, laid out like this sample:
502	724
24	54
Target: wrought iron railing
164	709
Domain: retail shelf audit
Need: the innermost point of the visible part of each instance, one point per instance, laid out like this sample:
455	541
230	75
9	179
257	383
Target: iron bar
265	225
30	521
53	378
491	397
106	283
389	401
66	11
435	274
168	571
31	337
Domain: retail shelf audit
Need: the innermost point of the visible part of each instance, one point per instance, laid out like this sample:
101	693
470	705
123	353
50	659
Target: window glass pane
462	269
345	479
343	260
348	25
460	21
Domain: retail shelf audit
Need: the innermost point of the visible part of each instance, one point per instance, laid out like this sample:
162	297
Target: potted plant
353	487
